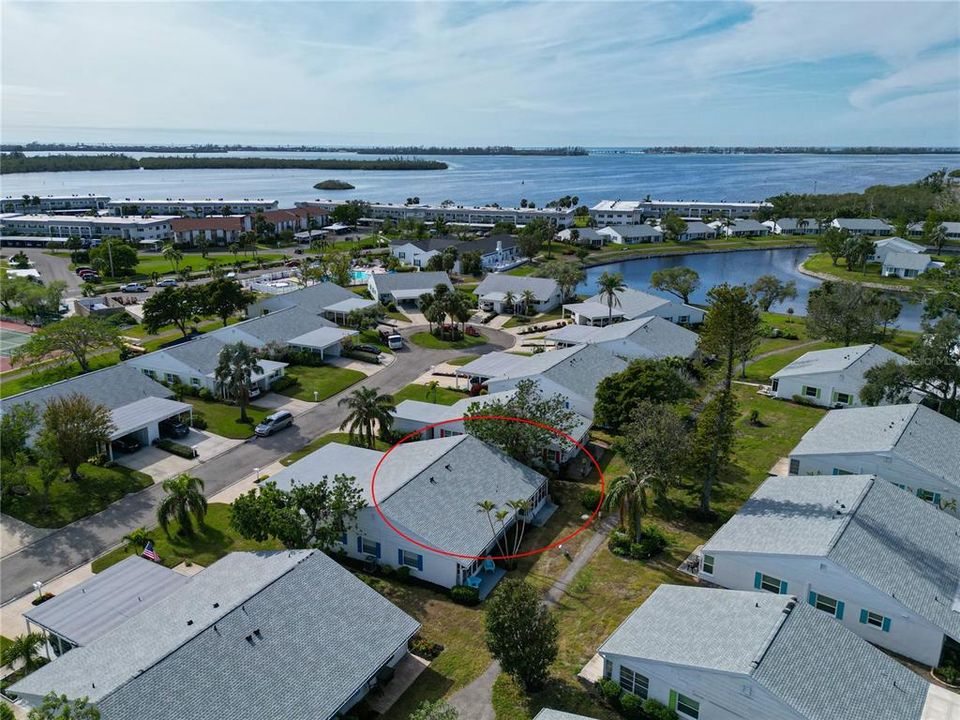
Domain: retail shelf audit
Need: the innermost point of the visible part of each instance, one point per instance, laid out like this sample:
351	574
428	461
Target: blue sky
522	73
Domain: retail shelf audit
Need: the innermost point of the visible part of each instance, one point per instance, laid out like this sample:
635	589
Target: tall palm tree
432	387
802	224
486	507
172	254
202	244
184	501
519	507
629	493
609	285
367	406
235	249
234	373
510	301
528	298
25	651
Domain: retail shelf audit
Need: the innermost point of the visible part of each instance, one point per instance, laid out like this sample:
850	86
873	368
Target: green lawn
70	501
325	381
340	437
150	263
613	253
761	370
821	263
223	419
214	539
441	396
520	321
523	270
53	373
426	340
462	360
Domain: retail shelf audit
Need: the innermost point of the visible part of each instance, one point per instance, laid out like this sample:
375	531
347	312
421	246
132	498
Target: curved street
82	541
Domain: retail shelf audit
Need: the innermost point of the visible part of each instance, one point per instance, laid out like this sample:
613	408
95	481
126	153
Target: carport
141	419
326	341
339	311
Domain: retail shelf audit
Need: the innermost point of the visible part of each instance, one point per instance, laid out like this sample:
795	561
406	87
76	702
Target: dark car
174	428
126	444
372	349
90	277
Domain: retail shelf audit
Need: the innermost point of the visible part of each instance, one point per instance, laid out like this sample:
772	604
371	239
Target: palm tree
235	249
25	650
367	406
609	285
137	540
486	507
432	390
629	493
184	499
202	243
173	254
528	298
234	373
519	507
510	301
802	224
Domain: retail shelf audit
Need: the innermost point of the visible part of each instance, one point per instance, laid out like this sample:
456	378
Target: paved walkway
79	543
14	534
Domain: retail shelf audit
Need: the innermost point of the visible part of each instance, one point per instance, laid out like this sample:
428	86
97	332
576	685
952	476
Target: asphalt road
82	541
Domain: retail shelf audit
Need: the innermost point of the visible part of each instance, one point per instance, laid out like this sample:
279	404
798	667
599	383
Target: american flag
149	553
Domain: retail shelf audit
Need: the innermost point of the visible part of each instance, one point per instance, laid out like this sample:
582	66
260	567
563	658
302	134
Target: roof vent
448	468
250	639
189	622
433	480
216	605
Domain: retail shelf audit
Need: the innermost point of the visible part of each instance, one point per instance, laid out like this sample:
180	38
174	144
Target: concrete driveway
276	401
160	464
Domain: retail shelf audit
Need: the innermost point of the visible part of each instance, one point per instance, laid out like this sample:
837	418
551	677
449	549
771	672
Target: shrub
589	499
655	710
283	383
630	704
801	400
949	674
424	648
42	599
652	542
609	690
176	448
205	394
403	573
199	421
465	595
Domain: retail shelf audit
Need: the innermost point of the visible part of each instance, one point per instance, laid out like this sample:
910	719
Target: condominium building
53	203
134	227
462	214
194	207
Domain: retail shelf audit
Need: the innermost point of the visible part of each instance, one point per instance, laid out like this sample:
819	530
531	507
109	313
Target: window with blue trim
868	617
826	604
769	583
928	496
368	547
410	559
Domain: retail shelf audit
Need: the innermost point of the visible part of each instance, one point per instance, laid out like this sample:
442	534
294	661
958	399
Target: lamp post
256	475
38	585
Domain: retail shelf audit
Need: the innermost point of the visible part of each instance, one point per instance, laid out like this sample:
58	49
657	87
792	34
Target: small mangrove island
333	185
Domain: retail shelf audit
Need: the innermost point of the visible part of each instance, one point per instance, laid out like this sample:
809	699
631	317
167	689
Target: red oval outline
527	553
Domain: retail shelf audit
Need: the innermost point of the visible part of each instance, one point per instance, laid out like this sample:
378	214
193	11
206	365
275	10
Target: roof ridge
768	643
848	517
906	425
201	630
455	441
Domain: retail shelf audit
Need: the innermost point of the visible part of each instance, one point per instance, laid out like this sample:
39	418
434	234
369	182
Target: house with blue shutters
882	562
429	490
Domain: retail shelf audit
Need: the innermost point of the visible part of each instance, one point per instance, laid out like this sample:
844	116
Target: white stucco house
745	227
951	229
648	337
731	655
906	265
429	490
325	298
882	248
405	287
630	304
863	226
911	446
582	236
855	547
496	251
793	226
830	378
492	293
697	230
631	234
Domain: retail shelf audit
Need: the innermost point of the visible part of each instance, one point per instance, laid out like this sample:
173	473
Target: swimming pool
10	340
359	276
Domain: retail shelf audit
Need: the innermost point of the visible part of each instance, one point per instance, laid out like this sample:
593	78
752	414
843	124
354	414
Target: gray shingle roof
748	224
805	659
550	714
907	260
916	433
483	245
277	326
113	386
860	224
97	605
425	281
654	336
898	244
632	231
633	303
315	298
543	288
837	359
789	224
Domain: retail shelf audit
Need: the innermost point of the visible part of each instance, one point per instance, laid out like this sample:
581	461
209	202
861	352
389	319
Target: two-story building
496	251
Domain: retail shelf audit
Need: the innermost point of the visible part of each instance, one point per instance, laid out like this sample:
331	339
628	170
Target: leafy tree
25	651
48	469
842	312
183	501
769	289
533	236
660	381
74	427
73	337
679	281
178	306
434	710
236	366
521	633
731	327
713	442
32	298
56	707
886	384
350	212
114	257
610	285
367	407
136	540
567	274
338	268
656	447
310	515
172	254
363	318
522	441
471	263
225	297
857	250
833	242
673	227
16	425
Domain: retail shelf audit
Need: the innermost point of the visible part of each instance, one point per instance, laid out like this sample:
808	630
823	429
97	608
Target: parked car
298	251
90	278
292	263
133	287
395	342
273	423
472	331
230	275
174	428
372	349
167	282
126	444
83	269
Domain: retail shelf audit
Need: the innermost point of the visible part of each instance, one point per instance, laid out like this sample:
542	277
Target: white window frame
408	556
880	618
763	580
823	603
634	683
711	562
368	550
689	702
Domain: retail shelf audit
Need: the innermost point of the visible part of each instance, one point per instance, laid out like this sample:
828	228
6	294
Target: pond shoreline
695	251
865	283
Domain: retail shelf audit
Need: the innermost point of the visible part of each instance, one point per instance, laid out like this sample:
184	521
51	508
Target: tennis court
10	340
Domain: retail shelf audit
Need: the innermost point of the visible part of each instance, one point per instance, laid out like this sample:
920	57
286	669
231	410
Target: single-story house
697	230
830	378
631	234
412	415
294	326
255	634
793	226
429	490
582	236
325	298
492	293
877	559
404	287
138	404
951	229
216	229
573	372
741	228
85	612
906	265
649	337
729	654
911	446
863	226
882	248
631	304
495	250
